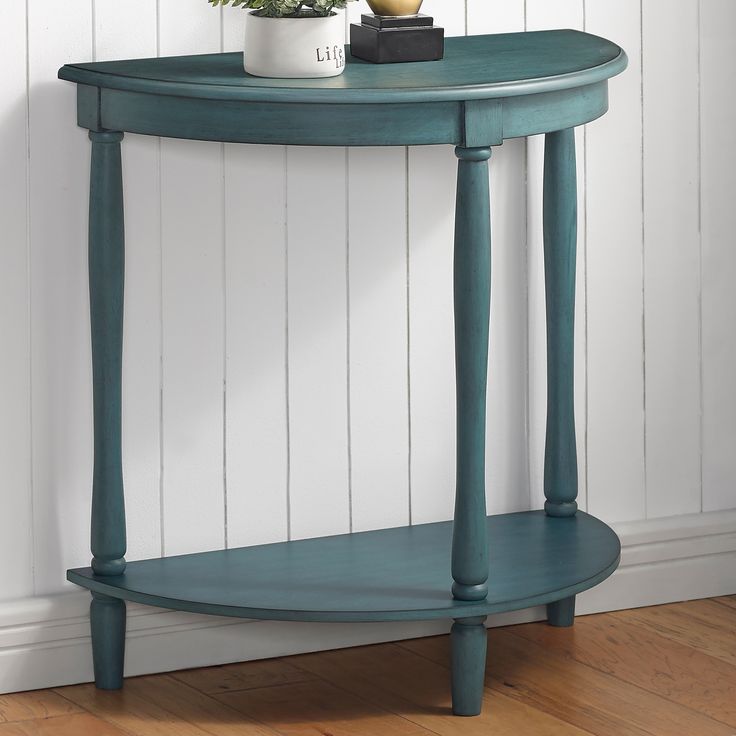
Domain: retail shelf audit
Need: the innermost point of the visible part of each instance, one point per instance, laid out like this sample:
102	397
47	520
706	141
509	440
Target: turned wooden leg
469	643
561	613
560	243
107	624
472	282
106	278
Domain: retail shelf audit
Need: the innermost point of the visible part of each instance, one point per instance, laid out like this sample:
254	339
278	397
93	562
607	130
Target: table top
474	68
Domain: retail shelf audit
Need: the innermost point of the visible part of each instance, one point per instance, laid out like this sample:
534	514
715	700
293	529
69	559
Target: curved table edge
457	609
571	80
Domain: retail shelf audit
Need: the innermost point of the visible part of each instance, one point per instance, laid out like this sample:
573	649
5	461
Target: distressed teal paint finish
487	89
472	282
482	123
106	278
546	111
89	108
560	244
107	626
474	68
281	123
401	574
469	643
561	613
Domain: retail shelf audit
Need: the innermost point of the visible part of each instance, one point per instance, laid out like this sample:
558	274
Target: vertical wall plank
233	30
255	273
256	428
318	404
431	220
193	310
450	16
432	363
495	16
671	257
615	308
507	486
718	95
507	478
548	15
353	13
125	30
16	541
61	372
379	421
379	358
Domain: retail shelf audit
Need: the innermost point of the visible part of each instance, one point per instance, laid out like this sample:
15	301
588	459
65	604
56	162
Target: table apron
472	123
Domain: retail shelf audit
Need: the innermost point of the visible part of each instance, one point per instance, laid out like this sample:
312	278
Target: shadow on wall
193	408
61	371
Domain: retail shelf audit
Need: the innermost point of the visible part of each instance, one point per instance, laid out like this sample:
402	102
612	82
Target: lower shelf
388	575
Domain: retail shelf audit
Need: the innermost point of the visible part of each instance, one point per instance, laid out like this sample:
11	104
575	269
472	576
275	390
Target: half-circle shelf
388	575
474	68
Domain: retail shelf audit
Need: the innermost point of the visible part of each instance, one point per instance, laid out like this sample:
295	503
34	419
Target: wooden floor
667	671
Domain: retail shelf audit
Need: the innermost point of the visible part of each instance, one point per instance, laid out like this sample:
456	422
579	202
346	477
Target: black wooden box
386	39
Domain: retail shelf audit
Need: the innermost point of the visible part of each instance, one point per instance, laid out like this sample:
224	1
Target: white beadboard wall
288	353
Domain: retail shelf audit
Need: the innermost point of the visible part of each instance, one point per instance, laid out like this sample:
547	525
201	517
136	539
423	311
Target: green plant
286	8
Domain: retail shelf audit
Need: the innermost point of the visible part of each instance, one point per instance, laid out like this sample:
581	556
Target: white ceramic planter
295	47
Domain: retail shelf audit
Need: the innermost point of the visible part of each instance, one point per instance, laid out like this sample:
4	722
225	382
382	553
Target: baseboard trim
44	641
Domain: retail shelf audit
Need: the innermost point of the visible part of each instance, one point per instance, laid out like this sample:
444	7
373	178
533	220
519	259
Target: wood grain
78	724
418	690
396	574
317	707
244	676
36	704
729	600
706	625
649	672
574	692
192	706
646	659
161	706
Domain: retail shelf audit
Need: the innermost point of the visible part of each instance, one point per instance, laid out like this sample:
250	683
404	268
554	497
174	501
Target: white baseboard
44	641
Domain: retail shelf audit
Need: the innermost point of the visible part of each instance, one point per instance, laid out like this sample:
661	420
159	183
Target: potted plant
293	38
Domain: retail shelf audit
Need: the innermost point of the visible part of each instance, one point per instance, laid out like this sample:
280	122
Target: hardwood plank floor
659	671
638	655
36	704
78	724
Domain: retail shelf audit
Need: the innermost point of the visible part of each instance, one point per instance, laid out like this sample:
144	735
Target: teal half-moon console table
487	89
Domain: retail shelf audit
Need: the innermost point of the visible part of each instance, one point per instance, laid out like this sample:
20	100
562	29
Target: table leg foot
469	644
561	613
107	624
